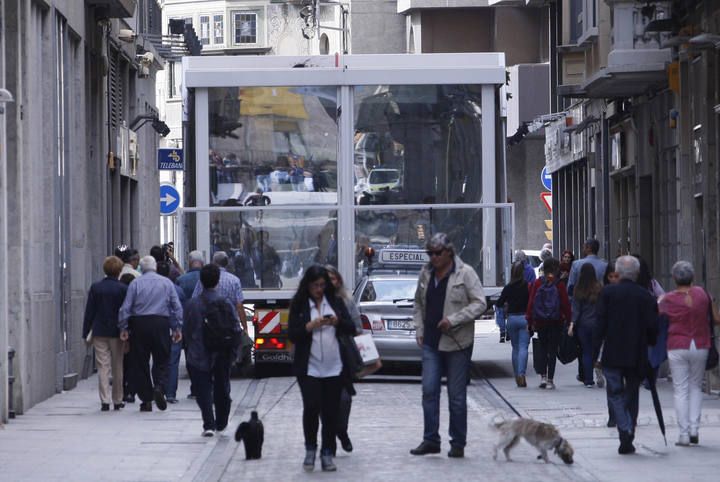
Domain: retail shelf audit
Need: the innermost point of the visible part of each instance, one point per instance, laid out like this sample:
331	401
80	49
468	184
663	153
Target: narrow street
68	438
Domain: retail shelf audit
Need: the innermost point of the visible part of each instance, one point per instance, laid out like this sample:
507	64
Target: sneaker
159	398
208	433
327	464
456	452
550	385
590	385
104	407
503	337
425	448
683	441
172	400
309	462
543	383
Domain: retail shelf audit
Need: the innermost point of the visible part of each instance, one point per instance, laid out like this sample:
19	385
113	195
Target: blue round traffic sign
546	179
169	199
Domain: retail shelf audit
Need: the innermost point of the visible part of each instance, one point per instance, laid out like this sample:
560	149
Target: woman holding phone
317	318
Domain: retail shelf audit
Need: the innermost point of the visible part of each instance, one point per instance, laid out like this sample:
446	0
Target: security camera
6	96
126	35
146	58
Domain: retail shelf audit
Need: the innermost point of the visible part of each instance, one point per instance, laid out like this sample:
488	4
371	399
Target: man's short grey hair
520	255
196	257
440	241
683	273
148	263
220	258
627	267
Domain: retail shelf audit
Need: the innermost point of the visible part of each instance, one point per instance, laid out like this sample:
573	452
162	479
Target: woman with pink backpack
548	310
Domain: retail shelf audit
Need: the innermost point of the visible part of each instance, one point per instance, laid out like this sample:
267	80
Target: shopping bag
539	364
568	350
368	351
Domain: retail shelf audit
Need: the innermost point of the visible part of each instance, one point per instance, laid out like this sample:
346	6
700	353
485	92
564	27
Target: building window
218	30
205	29
245	28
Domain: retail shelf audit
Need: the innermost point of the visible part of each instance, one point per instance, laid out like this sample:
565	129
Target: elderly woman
100	327
317	318
687	309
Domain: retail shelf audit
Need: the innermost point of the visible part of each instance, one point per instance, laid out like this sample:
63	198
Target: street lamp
159	126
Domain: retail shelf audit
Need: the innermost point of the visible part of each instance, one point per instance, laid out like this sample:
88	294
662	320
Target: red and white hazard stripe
269	321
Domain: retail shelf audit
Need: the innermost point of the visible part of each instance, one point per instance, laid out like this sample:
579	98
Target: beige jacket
464	303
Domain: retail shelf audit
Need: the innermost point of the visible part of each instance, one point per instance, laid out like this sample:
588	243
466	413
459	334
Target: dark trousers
344	413
623	386
321	398
149	335
585	361
212	390
549	341
128	389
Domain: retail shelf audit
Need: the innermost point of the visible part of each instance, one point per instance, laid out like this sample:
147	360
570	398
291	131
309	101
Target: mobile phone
327	317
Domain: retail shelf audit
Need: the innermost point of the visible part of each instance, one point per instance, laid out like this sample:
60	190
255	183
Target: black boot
626	446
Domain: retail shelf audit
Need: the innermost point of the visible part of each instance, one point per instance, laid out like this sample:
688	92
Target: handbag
349	353
539	364
568	349
712	359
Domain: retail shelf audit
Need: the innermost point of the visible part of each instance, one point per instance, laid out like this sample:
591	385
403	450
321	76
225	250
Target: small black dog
252	434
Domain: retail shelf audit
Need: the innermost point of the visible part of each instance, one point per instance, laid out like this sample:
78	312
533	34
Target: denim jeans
520	338
173	364
585	335
623	386
455	365
212	389
500	319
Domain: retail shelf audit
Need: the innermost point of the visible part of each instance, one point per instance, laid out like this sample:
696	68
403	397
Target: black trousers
149	335
321	399
212	389
549	341
344	413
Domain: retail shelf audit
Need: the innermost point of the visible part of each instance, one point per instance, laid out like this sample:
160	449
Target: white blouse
325	358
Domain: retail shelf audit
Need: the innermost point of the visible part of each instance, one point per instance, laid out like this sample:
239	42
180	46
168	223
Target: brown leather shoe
520	380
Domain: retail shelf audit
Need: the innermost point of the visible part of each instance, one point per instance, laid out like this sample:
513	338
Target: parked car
386	306
384	179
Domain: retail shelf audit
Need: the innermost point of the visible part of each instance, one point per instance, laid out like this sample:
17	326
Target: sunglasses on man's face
434	253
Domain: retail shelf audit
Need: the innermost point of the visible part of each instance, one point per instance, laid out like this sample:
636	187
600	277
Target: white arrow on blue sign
169	199
546	179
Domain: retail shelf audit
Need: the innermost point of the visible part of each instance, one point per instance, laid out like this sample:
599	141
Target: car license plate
400	325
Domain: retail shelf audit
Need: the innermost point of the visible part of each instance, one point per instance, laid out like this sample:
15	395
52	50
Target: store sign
170	159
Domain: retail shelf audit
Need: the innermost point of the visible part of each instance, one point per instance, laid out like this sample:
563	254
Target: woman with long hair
548	309
584	303
345	396
514	300
691	314
317	318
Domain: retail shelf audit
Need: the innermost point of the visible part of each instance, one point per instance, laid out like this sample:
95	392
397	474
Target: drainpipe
605	138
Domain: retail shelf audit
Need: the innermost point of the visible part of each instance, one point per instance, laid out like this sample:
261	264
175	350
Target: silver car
386	306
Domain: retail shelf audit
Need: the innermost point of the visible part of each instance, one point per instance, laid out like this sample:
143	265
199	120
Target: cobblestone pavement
68	438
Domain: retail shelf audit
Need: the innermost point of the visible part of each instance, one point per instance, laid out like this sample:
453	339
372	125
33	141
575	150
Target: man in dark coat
626	325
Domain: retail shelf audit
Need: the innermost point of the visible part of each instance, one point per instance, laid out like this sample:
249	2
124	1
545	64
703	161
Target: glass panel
271	249
273	145
218	30
389	290
245	28
399	238
418	144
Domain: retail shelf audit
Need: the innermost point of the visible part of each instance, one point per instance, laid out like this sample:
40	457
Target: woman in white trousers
689	310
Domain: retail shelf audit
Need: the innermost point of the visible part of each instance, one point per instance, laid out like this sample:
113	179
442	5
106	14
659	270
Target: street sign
169	199
546	179
546	198
170	159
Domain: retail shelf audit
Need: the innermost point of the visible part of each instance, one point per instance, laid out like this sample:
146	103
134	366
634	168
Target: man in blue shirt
151	310
209	371
590	251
